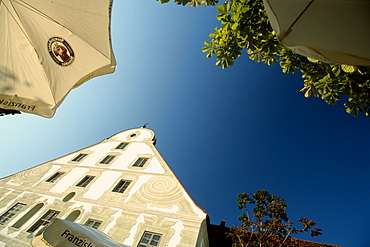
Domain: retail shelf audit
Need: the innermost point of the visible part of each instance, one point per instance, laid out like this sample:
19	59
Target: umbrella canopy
69	234
48	48
332	31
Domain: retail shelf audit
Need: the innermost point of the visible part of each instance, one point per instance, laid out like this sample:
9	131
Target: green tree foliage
192	3
269	224
245	26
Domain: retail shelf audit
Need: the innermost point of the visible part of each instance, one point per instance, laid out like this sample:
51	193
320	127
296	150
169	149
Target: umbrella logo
60	51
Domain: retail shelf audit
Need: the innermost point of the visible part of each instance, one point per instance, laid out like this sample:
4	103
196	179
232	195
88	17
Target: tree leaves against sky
245	26
269	224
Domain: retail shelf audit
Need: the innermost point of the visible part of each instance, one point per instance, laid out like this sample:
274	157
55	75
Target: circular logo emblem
60	51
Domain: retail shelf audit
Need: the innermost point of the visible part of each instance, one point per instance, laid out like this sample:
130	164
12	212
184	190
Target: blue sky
222	132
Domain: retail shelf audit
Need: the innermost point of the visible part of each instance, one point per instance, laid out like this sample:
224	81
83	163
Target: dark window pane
93	223
149	240
140	162
85	181
107	159
55	177
122	145
79	157
44	220
11	212
121	186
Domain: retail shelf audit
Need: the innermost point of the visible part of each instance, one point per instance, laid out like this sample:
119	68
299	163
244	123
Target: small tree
269	224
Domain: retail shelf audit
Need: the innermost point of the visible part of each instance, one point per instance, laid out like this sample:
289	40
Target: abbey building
121	186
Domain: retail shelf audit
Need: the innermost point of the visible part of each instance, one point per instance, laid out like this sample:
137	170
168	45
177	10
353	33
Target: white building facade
121	186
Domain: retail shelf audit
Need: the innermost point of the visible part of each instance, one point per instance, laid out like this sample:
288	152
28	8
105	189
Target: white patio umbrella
332	31
48	48
64	233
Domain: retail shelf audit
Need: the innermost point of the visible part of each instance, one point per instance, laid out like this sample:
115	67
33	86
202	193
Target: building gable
121	185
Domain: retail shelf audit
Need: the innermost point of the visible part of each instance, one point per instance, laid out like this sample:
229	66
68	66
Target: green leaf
235	26
244	24
257	57
312	60
212	35
307	94
352	110
289	69
270	60
348	68
336	69
221	9
205	49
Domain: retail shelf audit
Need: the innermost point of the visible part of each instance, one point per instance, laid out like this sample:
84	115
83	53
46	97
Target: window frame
25	218
55	177
45	220
119	146
121	186
85	181
108	159
11	212
93	224
140	162
79	157
150	240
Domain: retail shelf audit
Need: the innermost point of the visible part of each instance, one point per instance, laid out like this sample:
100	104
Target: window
93	223
140	162
44	220
122	145
11	212
107	159
27	216
55	177
149	239
69	196
85	181
121	186
79	157
73	216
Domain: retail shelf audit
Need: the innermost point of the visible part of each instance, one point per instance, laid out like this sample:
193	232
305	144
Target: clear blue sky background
223	132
